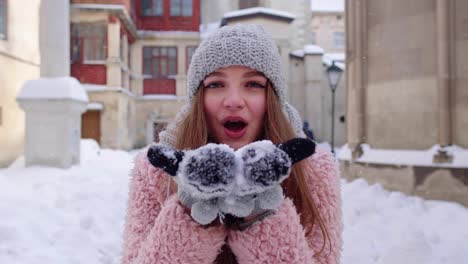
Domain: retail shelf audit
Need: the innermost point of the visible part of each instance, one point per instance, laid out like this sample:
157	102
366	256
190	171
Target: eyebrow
216	73
247	74
253	73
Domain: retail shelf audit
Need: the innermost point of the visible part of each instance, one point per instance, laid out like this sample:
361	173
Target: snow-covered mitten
216	180
202	175
263	167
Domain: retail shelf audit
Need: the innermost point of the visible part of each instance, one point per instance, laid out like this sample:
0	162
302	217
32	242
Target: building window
181	7
3	19
88	42
338	39
313	38
189	51
159	62
248	3
152	7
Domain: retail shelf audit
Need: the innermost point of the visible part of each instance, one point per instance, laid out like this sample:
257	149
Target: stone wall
19	61
429	182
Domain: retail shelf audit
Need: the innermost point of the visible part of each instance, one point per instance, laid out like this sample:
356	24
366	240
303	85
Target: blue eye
255	85
213	85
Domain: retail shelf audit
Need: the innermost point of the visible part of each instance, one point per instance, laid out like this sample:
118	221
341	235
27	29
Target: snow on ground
77	215
70	216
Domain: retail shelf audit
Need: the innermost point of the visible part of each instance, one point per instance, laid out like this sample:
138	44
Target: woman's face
235	105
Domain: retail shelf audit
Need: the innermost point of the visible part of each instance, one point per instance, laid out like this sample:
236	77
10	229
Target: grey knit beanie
240	44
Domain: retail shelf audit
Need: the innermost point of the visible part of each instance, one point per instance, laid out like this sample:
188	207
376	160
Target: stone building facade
136	80
26	53
131	56
327	25
406	84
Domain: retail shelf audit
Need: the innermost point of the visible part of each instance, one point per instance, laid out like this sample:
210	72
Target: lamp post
334	73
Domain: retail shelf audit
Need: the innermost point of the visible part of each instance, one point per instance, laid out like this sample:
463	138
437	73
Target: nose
234	98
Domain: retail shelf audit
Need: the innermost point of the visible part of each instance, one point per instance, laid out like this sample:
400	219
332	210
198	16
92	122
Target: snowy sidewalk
77	216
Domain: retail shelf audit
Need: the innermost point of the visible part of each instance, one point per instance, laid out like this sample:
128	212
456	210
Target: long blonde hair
193	133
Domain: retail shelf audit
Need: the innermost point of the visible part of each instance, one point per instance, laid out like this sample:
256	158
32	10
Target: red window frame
156	7
162	61
83	34
182	5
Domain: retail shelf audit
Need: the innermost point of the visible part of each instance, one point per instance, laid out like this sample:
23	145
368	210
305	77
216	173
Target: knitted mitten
216	180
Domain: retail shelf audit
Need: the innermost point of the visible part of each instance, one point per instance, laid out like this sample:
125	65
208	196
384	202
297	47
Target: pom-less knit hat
244	45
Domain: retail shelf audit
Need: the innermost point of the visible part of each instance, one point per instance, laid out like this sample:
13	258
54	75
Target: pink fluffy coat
158	230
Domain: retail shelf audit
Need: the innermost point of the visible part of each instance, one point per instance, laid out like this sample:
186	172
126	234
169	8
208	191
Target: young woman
236	96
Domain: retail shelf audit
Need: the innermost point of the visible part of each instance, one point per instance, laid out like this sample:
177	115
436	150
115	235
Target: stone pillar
54	38
313	73
136	65
53	110
114	74
356	39
181	76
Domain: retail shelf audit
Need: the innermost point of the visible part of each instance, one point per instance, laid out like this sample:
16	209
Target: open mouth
235	126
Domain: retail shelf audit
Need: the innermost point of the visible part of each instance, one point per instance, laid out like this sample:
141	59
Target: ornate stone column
356	43
443	41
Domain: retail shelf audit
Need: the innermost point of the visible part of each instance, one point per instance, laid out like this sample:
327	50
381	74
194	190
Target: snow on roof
313	49
423	158
173	33
337	58
53	88
95	106
327	5
98	6
308	50
327	59
258	10
158	97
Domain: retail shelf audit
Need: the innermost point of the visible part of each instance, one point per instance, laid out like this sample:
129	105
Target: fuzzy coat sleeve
280	238
160	231
324	183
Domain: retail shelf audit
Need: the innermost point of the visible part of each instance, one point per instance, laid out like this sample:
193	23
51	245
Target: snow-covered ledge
415	172
53	108
420	158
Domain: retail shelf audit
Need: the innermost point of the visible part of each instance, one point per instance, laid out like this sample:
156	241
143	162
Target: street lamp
334	73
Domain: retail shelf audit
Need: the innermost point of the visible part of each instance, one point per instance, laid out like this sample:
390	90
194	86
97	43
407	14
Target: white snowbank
389	227
65	216
77	216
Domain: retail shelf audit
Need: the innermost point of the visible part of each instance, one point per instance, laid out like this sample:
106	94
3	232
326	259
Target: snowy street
77	216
